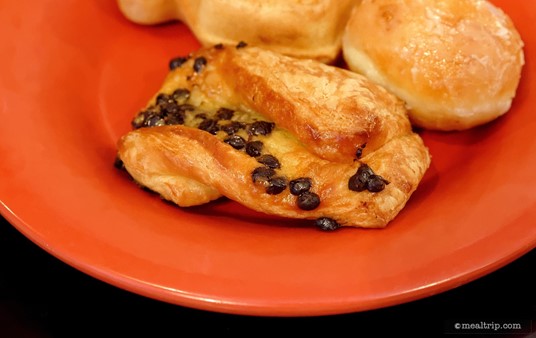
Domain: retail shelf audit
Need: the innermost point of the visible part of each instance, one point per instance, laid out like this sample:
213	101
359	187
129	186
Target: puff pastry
283	136
304	29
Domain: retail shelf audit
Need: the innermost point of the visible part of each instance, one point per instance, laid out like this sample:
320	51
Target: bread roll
456	63
304	29
283	136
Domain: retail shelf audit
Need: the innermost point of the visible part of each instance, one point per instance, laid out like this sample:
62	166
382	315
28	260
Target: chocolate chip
177	62
219	46
359	151
269	161
163	98
300	185
232	128
186	107
199	63
241	44
262	174
118	163
139	120
358	182
181	95
154	121
376	183
169	108
276	185
261	128
235	141
365	171
308	200
327	224
175	118
225	114
254	148
209	125
365	179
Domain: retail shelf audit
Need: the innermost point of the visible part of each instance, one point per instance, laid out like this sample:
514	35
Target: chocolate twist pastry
283	136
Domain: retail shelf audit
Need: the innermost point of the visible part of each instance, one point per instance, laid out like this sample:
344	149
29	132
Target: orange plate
74	73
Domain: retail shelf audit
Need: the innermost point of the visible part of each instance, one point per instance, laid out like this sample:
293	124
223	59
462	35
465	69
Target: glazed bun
456	63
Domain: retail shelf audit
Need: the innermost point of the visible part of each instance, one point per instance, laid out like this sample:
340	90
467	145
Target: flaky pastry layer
288	137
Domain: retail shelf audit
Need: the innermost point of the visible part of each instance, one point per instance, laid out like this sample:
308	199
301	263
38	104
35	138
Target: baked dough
456	63
304	29
283	136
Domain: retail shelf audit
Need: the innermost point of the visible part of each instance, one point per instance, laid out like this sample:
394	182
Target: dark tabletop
40	296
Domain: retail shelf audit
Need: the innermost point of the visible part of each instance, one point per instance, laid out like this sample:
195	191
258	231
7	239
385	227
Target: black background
40	296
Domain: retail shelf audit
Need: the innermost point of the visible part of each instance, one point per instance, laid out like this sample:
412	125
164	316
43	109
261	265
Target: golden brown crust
331	110
456	63
318	103
292	94
304	29
176	152
149	12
